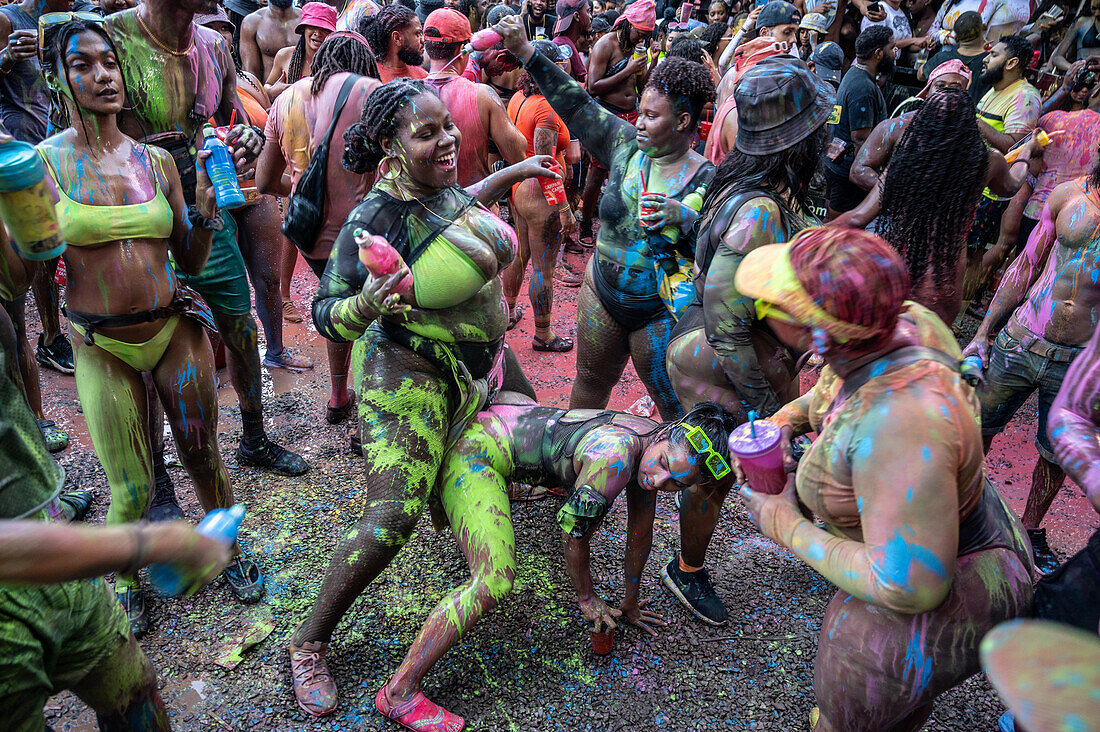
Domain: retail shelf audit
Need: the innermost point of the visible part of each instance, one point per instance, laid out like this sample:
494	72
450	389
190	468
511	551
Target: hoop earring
385	169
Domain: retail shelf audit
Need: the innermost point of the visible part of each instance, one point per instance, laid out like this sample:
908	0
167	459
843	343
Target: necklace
160	43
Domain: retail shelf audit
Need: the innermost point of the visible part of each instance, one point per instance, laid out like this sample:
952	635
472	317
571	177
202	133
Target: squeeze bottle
222	171
222	524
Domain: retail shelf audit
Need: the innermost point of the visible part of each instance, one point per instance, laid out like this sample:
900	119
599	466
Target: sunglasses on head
766	309
715	463
49	20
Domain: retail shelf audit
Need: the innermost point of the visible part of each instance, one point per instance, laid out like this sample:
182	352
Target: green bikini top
84	224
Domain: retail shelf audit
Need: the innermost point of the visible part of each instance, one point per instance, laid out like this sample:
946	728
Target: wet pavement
528	665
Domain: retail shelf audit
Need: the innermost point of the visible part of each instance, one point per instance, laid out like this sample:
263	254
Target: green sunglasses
715	463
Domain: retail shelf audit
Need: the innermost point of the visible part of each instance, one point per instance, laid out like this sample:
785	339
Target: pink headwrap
642	14
954	66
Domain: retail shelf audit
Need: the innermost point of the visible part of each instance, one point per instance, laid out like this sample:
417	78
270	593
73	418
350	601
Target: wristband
198	221
137	559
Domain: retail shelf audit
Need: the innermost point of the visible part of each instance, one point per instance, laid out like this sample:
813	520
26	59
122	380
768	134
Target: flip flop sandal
515	317
55	437
419	713
336	415
557	344
80	501
133	604
274	458
245	579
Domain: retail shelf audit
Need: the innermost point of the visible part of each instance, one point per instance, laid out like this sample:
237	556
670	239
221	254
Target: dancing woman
620	314
435	356
719	351
592	455
120	225
926	555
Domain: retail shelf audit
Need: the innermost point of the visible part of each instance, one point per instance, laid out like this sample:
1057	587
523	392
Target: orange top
531	113
256	112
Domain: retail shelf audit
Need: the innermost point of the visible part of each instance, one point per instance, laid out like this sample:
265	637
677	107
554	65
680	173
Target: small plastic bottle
671	233
483	40
972	370
222	171
171	580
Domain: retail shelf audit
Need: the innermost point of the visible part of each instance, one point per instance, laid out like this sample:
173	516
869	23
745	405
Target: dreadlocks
363	140
341	54
378	28
931	188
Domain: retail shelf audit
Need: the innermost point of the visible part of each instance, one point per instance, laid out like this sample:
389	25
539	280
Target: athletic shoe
164	506
1007	723
314	689
270	456
134	604
58	355
418	713
1045	561
695	592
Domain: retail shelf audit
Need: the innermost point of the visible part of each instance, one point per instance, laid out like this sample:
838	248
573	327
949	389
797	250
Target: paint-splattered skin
1074	422
472	488
1053	287
890	463
875	153
604	344
719	359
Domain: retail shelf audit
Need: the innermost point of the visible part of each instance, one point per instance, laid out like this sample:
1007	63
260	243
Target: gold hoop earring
385	169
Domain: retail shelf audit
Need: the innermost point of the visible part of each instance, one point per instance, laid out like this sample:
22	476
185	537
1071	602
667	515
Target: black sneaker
57	356
695	592
1045	560
134	604
165	506
269	456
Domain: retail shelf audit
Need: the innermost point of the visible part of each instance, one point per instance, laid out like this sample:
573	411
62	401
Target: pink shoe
314	688
420	714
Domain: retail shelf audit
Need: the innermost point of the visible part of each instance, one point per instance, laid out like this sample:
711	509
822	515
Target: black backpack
305	211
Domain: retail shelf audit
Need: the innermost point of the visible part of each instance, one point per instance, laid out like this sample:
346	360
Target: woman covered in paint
427	359
122	213
719	351
898	454
620	313
925	200
592	455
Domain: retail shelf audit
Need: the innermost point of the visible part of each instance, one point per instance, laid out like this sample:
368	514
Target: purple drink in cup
757	445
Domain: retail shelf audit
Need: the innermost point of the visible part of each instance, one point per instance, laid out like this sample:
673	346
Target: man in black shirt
971	51
859	107
538	22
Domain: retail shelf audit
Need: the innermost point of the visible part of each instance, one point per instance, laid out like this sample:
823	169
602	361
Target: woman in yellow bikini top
121	210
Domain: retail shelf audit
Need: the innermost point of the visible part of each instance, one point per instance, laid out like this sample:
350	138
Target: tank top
24	98
460	96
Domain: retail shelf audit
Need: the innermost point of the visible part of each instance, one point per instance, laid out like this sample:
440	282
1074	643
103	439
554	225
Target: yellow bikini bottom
139	356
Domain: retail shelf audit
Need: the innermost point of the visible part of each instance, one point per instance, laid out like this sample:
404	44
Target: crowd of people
788	213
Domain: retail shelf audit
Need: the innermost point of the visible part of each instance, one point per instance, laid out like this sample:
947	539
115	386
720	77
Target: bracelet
137	559
198	221
1032	181
259	131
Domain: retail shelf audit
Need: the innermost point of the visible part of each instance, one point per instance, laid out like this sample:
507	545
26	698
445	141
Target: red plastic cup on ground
757	445
603	641
553	188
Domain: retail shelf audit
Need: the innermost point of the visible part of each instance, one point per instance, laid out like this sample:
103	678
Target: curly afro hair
686	84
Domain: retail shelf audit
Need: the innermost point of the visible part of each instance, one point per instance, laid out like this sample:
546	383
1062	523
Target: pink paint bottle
483	40
757	445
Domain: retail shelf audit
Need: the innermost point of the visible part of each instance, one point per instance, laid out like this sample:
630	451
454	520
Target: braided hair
363	140
377	28
340	54
712	35
686	84
297	61
715	422
931	189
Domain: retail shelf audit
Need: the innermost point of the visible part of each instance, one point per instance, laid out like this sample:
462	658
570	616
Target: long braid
931	189
294	70
340	54
363	140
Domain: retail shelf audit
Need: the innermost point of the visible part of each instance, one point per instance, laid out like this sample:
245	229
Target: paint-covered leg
164	505
403	418
261	242
256	450
340	399
472	489
1046	480
122	690
648	347
602	350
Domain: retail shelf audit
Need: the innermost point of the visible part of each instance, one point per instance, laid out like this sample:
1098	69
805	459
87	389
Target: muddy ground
528	665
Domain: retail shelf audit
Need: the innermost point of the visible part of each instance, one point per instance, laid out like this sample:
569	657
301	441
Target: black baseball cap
778	12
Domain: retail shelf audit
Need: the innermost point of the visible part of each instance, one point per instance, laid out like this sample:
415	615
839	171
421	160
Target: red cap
447	25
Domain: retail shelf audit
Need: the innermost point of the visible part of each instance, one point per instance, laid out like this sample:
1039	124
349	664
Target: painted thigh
648	347
874	666
603	349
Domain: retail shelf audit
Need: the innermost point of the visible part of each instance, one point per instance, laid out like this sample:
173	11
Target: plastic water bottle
171	580
483	40
971	369
222	171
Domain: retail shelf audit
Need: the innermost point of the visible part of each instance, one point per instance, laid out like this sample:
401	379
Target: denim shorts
1014	373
